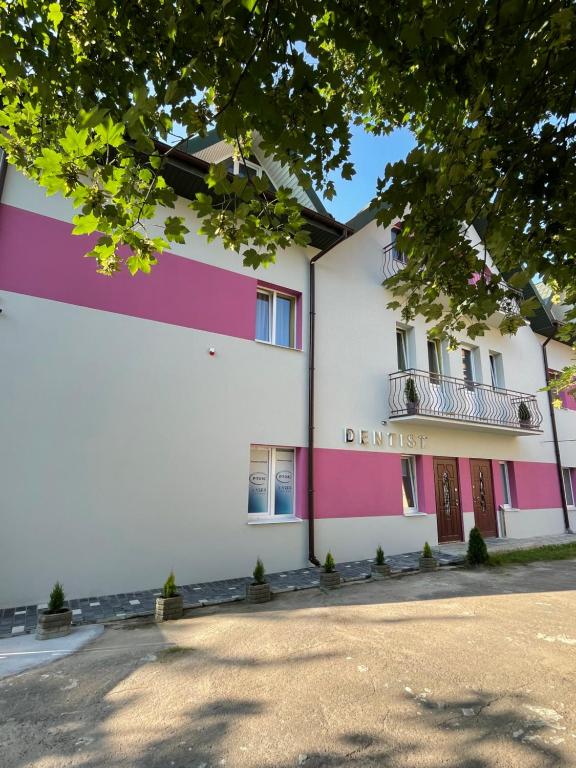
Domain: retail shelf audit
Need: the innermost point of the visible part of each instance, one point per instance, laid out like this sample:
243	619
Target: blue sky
369	155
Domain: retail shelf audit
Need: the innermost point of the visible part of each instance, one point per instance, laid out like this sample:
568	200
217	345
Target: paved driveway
463	669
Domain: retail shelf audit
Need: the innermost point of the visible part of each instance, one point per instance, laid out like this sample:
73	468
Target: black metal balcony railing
414	392
394	260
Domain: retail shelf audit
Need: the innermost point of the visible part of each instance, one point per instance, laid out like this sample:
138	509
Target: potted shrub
56	620
170	605
259	590
524	415
380	568
329	577
411	396
477	551
427	560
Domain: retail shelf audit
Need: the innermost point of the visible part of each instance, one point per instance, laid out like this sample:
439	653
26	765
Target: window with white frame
496	370
568	488
402	349
505	477
409	489
275	318
434	360
397	255
271	482
469	366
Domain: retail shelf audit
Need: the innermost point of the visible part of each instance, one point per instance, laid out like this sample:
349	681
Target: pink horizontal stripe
357	484
366	484
535	485
40	257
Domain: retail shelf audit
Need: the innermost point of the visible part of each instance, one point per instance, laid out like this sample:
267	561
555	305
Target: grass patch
524	556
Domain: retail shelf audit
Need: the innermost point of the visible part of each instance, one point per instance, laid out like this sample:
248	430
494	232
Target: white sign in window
271	482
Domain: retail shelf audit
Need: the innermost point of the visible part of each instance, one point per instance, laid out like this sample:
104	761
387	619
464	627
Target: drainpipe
311	365
555	432
3	169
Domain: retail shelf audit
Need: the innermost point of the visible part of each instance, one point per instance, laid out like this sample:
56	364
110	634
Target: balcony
426	398
394	260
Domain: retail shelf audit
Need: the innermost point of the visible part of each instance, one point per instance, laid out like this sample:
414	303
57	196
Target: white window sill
278	520
277	346
570	507
510	509
415	514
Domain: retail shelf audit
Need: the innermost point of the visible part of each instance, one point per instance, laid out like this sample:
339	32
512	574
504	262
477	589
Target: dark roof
365	216
198	143
186	175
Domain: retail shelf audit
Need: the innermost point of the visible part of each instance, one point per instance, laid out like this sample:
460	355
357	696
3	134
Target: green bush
380	556
56	602
524	412
329	564
410	392
477	552
427	552
259	573
170	589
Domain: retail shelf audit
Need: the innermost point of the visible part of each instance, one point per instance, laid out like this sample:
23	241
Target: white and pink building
165	421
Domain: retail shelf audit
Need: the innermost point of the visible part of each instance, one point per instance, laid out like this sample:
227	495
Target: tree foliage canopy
89	88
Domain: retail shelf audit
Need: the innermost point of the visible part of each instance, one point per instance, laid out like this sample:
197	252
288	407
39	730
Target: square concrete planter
258	593
57	624
380	571
428	563
169	608
330	580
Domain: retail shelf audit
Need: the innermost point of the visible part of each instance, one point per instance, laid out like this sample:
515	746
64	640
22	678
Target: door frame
440	459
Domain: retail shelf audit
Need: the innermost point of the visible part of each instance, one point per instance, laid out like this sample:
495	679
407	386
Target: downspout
311	366
555	432
3	170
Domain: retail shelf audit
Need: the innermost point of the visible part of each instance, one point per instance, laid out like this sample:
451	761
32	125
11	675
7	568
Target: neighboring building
161	421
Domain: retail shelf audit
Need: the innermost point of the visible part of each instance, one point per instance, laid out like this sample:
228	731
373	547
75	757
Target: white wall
125	447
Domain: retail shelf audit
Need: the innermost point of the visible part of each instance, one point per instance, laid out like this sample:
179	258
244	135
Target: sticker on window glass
284	483
258	483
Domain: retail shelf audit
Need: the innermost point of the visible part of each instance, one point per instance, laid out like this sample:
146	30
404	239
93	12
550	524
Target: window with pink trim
278	316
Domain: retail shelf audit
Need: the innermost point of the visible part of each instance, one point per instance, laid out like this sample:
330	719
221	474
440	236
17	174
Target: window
505	476
568	490
469	366
409	492
271	482
496	370
275	318
434	360
402	349
396	254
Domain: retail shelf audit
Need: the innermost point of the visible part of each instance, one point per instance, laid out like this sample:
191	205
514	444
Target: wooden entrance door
448	513
483	495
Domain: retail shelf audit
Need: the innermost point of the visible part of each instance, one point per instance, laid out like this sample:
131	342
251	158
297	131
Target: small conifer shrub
329	564
427	552
170	589
56	602
259	573
410	392
380	556
524	412
477	551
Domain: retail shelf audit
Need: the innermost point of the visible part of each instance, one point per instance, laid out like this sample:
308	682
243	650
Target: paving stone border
129	605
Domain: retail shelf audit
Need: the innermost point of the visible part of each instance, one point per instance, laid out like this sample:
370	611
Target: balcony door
448	512
483	496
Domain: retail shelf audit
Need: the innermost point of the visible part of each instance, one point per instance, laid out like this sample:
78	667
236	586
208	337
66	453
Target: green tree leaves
88	88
